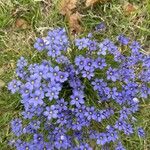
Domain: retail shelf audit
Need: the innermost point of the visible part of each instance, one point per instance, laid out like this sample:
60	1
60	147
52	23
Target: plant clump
88	91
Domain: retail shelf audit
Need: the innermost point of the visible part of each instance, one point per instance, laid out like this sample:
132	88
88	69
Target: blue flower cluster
55	42
88	93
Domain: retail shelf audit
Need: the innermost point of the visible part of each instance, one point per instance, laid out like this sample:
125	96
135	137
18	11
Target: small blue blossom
55	51
80	62
124	113
36	98
101	26
51	112
112	134
16	126
63	76
61	105
14	86
112	74
119	146
40	44
93	45
123	40
101	139
88	73
145	91
88	64
35	124
62	60
77	99
52	91
38	138
90	113
84	147
62	142
100	63
135	46
21	73
62	119
141	132
22	62
102	48
82	43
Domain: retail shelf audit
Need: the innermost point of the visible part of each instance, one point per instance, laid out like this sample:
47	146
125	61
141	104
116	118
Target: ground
21	21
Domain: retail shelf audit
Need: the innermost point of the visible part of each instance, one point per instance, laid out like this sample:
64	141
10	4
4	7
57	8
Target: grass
39	17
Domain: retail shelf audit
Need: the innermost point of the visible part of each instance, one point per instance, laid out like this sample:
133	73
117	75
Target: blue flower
53	75
62	60
16	126
105	45
100	63
101	139
51	112
102	49
61	105
38	138
22	62
14	86
144	91
19	144
26	89
77	124
112	74
119	146
88	64
141	132
93	45
41	70
63	76
112	134
62	119
101	26
35	124
39	44
28	129
21	73
36	98
82	43
28	114
34	80
62	142
52	91
123	40
135	46
120	125
79	111
88	73
90	113
99	84
80	62
77	99
55	51
84	146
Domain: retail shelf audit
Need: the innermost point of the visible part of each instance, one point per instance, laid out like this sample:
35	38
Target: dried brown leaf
74	22
66	6
129	8
92	2
21	24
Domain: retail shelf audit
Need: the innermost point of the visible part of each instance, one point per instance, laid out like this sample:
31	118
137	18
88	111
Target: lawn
21	21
